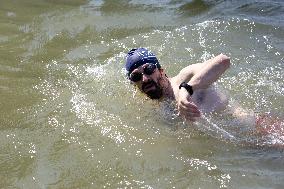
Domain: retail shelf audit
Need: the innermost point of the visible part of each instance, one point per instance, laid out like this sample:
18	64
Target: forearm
213	69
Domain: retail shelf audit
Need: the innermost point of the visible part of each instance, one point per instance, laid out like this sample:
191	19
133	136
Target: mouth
152	90
148	86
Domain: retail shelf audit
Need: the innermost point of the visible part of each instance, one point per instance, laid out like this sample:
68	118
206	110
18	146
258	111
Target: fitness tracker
187	87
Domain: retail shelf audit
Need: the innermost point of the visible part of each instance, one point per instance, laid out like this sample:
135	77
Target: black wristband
187	87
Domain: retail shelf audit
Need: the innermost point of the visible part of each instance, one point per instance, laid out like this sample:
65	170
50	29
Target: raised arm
201	75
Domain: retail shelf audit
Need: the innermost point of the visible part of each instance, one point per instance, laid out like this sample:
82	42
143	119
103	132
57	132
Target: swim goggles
148	70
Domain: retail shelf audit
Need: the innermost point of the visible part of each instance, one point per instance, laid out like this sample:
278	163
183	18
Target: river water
70	119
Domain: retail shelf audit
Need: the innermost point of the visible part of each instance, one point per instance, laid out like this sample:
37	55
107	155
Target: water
70	119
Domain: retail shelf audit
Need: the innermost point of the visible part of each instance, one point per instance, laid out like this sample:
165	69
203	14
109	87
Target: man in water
191	88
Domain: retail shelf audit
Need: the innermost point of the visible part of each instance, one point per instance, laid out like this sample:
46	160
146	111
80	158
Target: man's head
144	70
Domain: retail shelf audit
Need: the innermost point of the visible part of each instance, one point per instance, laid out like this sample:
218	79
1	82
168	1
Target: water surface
70	119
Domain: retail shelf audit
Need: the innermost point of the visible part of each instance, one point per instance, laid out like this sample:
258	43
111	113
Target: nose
145	77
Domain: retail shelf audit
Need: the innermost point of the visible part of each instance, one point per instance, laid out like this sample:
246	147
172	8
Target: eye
135	77
149	69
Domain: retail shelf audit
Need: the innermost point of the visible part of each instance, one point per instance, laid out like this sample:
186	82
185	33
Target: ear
161	70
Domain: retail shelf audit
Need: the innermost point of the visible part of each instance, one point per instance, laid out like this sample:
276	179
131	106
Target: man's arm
199	76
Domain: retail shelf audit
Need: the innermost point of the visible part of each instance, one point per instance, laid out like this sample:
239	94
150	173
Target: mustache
149	83
156	93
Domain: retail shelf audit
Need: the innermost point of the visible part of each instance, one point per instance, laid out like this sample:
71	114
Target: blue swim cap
138	57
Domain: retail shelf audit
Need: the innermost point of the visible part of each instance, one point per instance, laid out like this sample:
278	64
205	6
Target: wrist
193	84
187	87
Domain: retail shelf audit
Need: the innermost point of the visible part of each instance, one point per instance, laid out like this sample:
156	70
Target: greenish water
70	119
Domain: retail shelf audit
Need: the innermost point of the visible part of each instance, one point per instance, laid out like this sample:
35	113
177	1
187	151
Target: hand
186	106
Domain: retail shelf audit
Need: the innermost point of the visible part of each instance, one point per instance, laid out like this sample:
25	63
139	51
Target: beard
155	93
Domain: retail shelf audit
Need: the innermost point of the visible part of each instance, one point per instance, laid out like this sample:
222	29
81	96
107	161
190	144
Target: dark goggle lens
135	77
148	70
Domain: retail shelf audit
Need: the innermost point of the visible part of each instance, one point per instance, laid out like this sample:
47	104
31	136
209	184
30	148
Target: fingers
189	107
190	114
188	104
189	110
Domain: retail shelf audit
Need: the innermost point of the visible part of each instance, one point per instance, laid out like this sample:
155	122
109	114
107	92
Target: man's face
147	78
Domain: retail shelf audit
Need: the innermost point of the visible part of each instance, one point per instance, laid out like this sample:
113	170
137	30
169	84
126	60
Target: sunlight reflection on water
91	128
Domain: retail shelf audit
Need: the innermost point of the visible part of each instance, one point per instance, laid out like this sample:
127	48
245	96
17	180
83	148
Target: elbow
224	60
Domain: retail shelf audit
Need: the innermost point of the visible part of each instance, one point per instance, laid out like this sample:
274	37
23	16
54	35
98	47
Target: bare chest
210	99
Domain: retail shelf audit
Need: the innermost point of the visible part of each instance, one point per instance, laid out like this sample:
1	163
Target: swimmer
191	88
